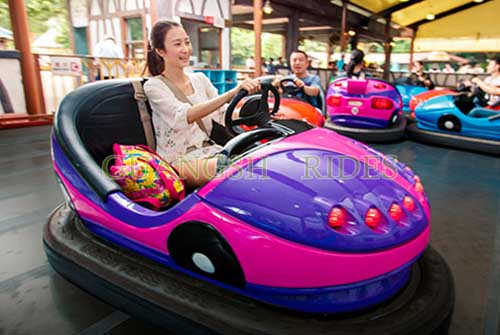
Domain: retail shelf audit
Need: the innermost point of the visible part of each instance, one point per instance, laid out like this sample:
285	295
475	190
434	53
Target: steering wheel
478	95
238	144
462	87
260	117
290	90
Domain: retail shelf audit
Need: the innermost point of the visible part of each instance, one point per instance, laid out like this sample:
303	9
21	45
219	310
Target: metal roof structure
472	24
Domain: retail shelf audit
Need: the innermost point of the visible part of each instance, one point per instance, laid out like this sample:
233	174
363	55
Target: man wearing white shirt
107	48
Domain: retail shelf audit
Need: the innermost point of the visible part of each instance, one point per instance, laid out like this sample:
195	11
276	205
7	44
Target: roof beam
452	11
320	12
402	5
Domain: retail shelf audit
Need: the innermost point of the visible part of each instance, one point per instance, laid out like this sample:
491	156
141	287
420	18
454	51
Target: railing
61	74
60	79
325	75
440	79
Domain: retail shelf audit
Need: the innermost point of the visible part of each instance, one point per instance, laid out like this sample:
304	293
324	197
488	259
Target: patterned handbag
145	177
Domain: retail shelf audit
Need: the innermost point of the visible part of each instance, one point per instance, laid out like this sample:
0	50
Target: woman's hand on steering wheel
260	116
250	85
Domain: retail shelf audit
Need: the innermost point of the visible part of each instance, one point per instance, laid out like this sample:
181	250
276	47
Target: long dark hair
356	59
155	63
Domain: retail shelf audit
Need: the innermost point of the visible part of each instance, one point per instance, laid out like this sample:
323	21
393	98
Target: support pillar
292	42
412	48
343	28
33	91
387	48
257	28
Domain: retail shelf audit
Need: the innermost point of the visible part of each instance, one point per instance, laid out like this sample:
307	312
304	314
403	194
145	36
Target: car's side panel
266	259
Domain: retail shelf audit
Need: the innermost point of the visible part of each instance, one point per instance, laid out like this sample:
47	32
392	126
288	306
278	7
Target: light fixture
477	1
430	16
351	32
393	44
267	7
404	0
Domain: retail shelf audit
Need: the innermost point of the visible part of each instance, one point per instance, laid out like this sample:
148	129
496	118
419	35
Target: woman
179	125
356	66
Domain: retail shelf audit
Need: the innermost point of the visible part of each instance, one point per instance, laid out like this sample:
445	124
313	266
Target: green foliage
39	13
311	45
402	46
243	45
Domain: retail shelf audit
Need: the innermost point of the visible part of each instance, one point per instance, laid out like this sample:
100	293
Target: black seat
90	119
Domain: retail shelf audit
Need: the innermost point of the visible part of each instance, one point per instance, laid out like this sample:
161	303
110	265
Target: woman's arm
199	111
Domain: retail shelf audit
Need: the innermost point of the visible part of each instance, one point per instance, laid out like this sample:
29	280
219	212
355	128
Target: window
209	52
134	43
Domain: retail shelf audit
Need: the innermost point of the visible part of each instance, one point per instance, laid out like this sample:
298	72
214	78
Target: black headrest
90	119
112	116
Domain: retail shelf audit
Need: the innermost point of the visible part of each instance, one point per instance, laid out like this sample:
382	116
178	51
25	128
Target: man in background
107	48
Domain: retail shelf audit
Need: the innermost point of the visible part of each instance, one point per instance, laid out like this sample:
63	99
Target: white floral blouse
173	133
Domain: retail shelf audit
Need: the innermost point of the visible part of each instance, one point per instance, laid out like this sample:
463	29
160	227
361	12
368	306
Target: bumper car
426	95
342	250
368	110
408	92
448	120
291	105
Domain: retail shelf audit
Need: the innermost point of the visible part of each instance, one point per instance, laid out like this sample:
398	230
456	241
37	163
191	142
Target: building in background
130	21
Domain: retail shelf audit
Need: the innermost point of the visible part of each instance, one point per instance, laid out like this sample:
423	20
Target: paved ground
463	189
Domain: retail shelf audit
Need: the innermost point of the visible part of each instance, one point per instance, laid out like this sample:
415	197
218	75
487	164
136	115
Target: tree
243	45
39	13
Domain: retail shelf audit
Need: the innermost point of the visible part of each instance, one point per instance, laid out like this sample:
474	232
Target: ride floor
463	189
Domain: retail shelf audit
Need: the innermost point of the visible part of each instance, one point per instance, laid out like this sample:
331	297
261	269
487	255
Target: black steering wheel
478	95
249	117
240	143
290	89
470	97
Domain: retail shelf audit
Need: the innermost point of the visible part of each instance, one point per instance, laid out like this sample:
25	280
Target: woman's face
177	48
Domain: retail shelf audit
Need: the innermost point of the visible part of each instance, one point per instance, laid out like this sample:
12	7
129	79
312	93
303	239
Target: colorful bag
145	177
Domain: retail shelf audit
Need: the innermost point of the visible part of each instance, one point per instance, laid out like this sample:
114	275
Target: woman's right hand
250	85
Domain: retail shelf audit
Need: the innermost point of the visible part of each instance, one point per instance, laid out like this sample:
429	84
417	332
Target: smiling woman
185	105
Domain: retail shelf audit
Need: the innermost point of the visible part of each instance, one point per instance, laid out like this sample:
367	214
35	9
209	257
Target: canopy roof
458	25
473	25
5	33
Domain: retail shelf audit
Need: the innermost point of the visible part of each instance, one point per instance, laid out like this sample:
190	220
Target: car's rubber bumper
392	134
179	302
453	140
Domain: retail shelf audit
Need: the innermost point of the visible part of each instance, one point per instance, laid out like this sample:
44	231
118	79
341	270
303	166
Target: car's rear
363	103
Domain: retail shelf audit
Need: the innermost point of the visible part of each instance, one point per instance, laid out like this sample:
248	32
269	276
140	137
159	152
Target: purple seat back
356	86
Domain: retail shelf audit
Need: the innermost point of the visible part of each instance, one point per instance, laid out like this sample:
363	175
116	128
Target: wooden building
130	22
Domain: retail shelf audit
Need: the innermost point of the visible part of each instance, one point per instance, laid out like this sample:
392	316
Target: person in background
477	69
107	48
421	78
182	128
435	68
271	66
281	62
250	63
356	66
311	84
491	86
3	43
341	63
464	68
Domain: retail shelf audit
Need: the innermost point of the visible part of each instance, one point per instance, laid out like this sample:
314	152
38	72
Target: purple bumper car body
314	221
363	103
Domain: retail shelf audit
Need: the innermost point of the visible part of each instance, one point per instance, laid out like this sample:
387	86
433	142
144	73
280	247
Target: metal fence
61	74
57	83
